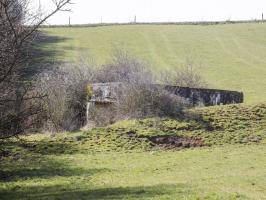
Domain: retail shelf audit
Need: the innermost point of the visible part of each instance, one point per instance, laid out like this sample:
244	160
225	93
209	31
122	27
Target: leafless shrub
19	101
103	115
20	112
188	75
139	101
138	96
65	101
124	68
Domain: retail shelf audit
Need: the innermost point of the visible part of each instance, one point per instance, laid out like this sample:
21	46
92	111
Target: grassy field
231	172
211	153
233	56
120	162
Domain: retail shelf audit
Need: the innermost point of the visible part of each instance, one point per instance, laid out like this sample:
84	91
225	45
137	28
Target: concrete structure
104	94
207	97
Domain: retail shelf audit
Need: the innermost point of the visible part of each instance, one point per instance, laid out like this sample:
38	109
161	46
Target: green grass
108	163
233	56
229	172
232	124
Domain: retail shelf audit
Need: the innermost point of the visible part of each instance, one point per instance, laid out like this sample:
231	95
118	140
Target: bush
68	86
124	68
188	75
139	101
65	90
138	96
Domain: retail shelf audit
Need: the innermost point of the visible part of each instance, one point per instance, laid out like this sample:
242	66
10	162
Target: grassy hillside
203	127
123	162
233	56
211	174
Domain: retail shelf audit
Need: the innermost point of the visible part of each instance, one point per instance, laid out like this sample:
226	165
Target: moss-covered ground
120	162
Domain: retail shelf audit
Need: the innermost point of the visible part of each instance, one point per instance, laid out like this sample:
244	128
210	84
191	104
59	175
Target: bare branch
20	105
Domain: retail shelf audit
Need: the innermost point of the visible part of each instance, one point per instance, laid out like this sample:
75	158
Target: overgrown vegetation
68	88
65	101
234	124
20	103
214	125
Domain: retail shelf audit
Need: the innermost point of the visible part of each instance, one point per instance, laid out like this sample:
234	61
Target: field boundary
155	23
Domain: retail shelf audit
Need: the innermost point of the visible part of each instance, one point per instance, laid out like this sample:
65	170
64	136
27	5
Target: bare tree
18	27
65	102
188	75
124	68
138	96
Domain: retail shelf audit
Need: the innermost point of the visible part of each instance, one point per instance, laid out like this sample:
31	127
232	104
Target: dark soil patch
4	153
173	142
170	142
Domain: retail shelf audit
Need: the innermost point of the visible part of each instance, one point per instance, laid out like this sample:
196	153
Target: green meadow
210	153
220	173
120	162
229	56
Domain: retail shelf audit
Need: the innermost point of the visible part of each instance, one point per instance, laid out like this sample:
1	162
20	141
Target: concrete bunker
102	95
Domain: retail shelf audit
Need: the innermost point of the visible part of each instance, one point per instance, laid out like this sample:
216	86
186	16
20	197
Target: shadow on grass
23	148
29	159
42	55
50	147
81	192
45	168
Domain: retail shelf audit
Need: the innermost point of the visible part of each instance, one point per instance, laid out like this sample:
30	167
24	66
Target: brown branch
11	24
59	5
24	99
